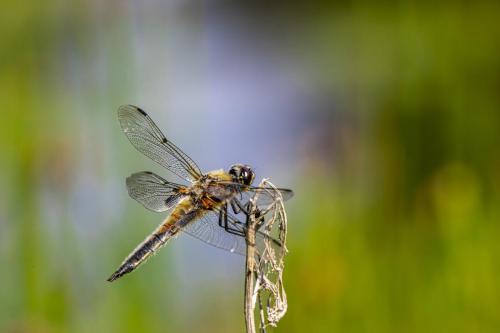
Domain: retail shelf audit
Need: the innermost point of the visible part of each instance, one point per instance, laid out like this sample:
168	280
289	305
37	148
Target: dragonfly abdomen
166	231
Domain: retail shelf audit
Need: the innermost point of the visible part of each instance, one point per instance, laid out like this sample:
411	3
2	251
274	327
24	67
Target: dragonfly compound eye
246	175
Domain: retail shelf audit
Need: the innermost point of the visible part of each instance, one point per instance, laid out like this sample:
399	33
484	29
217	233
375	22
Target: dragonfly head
242	174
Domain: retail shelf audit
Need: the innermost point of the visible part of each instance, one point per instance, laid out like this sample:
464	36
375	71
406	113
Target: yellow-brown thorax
204	195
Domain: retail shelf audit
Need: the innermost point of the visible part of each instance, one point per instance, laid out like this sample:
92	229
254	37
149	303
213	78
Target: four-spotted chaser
200	209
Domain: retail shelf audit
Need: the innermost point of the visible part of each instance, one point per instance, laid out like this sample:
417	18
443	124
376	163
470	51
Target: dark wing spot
164	140
171	199
141	111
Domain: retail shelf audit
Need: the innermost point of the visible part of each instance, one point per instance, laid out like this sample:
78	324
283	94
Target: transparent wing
265	196
147	138
153	192
207	229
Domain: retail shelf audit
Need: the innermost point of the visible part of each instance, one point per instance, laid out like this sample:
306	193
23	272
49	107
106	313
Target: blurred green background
384	118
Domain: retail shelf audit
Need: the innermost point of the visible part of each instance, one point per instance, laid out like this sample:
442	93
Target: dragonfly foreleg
238	207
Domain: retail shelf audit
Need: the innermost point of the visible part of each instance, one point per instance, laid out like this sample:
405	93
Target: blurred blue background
383	117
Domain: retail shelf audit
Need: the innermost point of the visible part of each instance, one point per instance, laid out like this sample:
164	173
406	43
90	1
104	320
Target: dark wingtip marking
141	111
164	140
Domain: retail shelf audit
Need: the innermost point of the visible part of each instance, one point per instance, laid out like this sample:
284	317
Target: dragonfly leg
238	207
235	207
221	216
224	223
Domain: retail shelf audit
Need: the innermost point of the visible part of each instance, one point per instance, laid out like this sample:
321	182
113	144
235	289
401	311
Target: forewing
268	195
153	192
263	196
147	138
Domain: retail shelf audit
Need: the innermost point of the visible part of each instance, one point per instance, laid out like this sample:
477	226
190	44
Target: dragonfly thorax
211	185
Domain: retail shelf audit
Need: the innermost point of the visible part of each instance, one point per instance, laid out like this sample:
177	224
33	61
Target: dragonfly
206	208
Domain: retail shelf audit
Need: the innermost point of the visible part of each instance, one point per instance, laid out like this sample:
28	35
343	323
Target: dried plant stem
250	274
265	263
